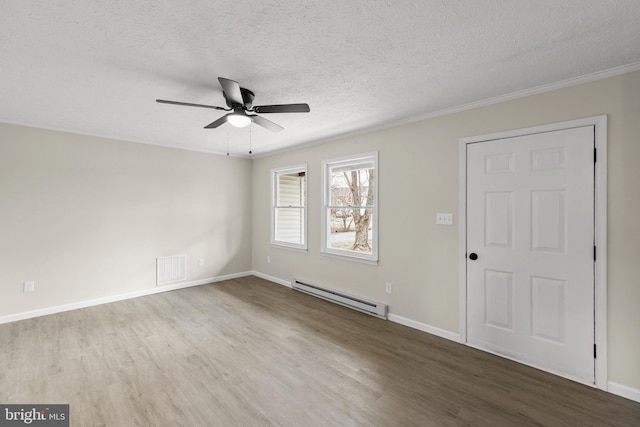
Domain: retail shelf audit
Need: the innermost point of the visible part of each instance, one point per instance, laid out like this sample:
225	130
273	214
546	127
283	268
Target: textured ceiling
96	66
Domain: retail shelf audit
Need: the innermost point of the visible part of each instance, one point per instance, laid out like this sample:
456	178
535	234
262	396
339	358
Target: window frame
275	173
346	254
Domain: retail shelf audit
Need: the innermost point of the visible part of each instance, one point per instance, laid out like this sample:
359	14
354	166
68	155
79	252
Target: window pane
288	204
352	187
290	225
351	230
291	189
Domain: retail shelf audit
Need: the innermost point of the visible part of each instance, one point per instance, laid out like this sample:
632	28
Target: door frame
600	230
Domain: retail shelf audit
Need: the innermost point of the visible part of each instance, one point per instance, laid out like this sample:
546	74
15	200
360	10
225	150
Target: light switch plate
444	219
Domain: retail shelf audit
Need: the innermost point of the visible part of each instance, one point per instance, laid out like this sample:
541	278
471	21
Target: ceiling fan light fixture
239	120
240	100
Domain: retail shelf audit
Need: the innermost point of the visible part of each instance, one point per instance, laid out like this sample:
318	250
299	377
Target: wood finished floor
247	352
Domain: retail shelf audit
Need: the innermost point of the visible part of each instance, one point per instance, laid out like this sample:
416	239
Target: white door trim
600	232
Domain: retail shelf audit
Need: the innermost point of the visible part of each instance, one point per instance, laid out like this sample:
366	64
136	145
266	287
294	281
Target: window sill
354	258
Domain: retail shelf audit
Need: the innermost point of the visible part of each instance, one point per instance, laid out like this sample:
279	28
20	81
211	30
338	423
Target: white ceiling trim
587	78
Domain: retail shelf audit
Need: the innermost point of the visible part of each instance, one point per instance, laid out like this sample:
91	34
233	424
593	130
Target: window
349	219
289	202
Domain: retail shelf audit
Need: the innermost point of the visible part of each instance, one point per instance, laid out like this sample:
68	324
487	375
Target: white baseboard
114	298
272	279
443	333
624	391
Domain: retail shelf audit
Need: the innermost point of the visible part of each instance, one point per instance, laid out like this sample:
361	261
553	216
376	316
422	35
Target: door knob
473	256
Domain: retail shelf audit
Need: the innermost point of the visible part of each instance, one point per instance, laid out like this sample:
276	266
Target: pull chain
227	140
250	136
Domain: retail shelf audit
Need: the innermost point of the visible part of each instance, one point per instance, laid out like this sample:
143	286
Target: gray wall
85	217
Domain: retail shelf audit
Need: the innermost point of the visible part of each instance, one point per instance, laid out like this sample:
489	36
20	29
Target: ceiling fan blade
283	108
188	104
232	91
267	124
222	120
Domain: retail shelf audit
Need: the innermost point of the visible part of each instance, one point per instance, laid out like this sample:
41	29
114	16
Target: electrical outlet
200	262
444	219
388	288
29	286
268	259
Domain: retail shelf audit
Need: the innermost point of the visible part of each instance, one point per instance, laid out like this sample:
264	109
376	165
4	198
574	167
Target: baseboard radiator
373	308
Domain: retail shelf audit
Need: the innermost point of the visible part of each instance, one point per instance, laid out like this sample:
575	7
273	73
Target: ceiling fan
240	101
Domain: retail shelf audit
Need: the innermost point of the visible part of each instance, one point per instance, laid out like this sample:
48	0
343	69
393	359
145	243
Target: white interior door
530	228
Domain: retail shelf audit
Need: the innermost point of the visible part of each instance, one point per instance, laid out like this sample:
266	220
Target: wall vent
366	306
171	269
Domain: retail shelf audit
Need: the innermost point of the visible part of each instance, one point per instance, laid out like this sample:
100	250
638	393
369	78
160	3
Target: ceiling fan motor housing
247	98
